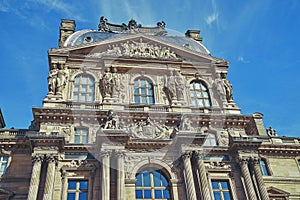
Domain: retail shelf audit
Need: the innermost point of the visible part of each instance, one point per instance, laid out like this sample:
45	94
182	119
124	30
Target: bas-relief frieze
138	49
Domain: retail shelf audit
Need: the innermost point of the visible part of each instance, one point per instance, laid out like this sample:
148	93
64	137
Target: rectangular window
81	136
77	190
263	168
221	190
3	164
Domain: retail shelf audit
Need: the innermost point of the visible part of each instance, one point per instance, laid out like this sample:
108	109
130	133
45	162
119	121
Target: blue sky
259	38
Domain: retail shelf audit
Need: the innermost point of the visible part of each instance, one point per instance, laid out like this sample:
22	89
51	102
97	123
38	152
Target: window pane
136	91
83	185
217	195
83	196
139	194
164	181
158	194
197	86
72	185
156	176
136	99
215	184
77	139
227	196
84	139
146	179
143	92
224	185
71	196
138	180
167	194
147	194
144	100
151	100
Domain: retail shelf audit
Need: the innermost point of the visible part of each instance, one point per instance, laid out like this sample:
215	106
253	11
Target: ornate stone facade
132	113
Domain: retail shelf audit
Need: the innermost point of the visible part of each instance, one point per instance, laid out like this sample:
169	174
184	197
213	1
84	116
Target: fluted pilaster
202	176
105	180
35	177
189	179
247	177
121	176
48	191
260	182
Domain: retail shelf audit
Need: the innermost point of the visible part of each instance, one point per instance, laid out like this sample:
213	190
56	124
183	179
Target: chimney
194	34
67	28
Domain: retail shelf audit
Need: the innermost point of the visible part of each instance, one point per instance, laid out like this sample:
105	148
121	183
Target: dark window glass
151	183
143	92
199	94
221	190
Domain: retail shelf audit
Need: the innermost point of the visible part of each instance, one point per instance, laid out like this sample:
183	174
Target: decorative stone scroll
150	130
138	49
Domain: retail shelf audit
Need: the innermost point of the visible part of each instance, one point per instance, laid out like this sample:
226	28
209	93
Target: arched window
143	92
199	94
84	88
151	183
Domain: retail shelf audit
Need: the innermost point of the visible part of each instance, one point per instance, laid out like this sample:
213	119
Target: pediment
272	191
140	46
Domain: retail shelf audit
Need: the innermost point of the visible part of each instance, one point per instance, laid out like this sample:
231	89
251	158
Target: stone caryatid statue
110	84
106	84
227	87
57	79
174	86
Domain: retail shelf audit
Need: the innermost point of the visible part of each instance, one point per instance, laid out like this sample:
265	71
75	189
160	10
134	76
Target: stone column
261	185
35	177
189	178
48	191
246	174
105	178
63	183
120	176
202	176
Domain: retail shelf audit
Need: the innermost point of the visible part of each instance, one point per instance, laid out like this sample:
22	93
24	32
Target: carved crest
150	130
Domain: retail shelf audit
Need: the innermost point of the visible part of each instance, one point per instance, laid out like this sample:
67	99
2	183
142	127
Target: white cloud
60	6
212	18
242	60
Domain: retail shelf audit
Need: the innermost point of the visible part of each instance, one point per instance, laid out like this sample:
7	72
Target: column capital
243	160
50	158
186	155
199	154
255	160
37	158
120	153
106	153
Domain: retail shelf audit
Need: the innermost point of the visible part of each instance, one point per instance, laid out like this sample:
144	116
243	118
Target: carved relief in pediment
138	49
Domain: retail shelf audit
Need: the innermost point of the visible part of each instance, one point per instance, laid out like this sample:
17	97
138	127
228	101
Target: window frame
230	188
77	190
137	85
90	88
152	187
196	100
264	167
